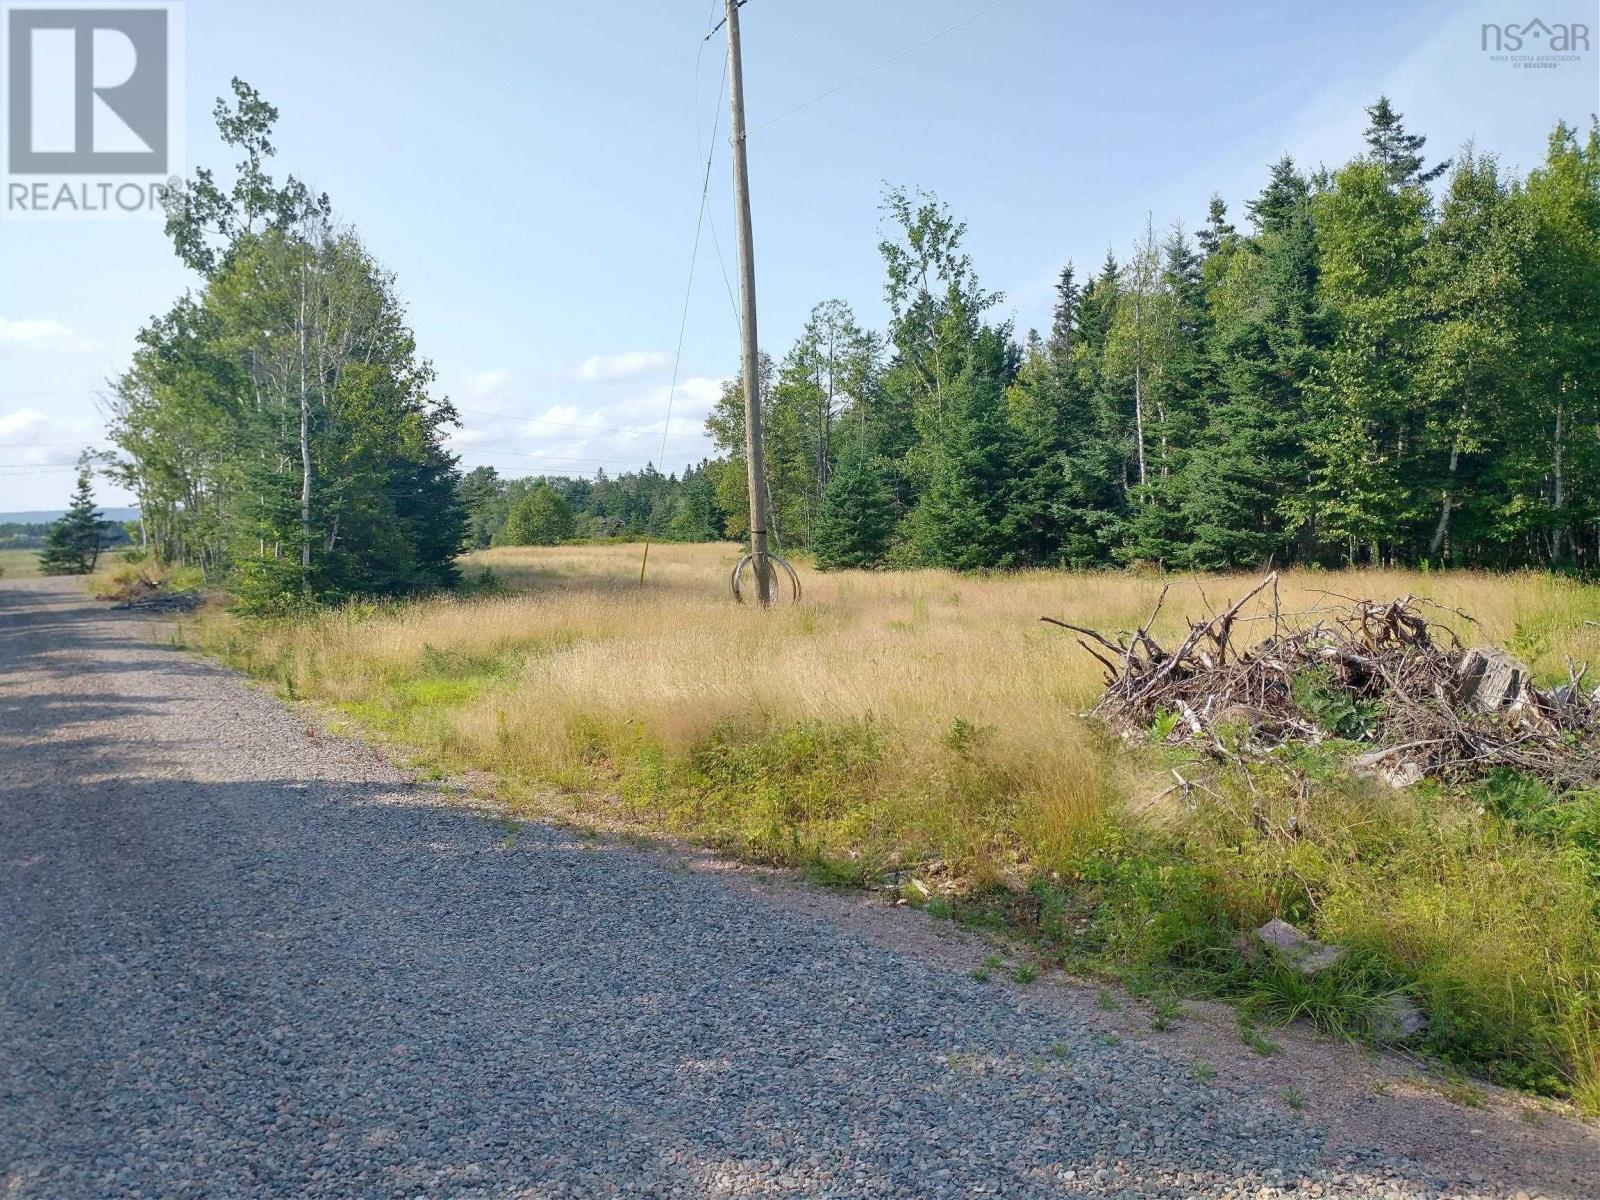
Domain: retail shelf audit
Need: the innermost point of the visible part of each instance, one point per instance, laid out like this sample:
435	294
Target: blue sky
531	171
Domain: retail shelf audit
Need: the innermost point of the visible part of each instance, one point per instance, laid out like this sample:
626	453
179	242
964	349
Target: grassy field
19	564
923	729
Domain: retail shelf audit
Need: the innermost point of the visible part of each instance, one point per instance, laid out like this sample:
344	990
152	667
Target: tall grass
928	722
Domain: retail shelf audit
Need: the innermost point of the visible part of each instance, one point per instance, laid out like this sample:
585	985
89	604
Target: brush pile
144	594
1361	670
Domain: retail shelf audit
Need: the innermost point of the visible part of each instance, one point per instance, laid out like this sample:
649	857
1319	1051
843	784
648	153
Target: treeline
276	424
1393	362
554	508
32	535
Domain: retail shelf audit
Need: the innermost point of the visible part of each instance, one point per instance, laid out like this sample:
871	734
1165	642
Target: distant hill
45	516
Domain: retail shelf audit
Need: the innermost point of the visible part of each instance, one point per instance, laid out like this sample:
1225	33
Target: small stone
1305	954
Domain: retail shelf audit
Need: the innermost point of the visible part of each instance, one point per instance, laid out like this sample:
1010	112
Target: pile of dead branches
1361	670
145	594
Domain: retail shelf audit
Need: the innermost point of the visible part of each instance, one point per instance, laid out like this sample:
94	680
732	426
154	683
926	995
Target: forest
1391	363
277	423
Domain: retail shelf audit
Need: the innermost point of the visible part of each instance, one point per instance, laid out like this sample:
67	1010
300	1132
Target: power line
479	412
839	87
71	442
694	257
572	458
56	392
694	251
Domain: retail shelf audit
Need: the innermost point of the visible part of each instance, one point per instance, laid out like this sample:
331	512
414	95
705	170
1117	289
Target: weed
1256	1040
1165	724
1060	1051
1460	1090
1202	1072
1294	1098
1165	1012
1329	706
1106	1001
1026	973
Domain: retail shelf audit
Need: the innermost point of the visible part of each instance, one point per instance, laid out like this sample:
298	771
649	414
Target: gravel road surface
241	958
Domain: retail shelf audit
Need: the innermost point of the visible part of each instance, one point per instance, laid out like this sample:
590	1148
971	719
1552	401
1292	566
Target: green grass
19	564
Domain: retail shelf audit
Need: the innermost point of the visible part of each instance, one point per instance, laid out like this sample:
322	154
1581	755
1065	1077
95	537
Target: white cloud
32	333
17	422
620	432
630	364
486	383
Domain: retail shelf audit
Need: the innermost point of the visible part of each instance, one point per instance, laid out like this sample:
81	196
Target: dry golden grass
916	650
580	652
914	717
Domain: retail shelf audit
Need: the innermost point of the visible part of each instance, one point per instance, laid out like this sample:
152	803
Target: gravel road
241	958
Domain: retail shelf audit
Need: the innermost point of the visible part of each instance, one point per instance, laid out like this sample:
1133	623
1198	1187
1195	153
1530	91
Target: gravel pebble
241	958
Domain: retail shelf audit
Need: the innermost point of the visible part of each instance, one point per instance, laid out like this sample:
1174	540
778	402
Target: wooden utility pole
750	356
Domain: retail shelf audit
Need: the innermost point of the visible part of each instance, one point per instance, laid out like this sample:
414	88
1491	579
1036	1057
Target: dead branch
1388	676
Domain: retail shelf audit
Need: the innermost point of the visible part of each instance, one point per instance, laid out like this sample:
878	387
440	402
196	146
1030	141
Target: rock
1304	954
1398	1019
1381	764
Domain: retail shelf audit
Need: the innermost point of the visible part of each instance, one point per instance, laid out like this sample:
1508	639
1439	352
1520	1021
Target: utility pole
750	356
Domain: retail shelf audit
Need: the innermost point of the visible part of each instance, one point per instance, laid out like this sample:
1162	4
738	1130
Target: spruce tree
961	516
857	519
1399	153
1064	323
1090	507
1365	437
1266	338
74	542
1217	232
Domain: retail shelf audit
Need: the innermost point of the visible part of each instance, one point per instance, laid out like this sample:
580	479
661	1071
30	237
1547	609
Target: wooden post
750	354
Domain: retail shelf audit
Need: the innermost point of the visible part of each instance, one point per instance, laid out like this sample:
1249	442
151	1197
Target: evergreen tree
74	542
479	493
857	520
963	510
1366	437
1090	509
1285	195
1217	232
1266	336
1399	153
1064	321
